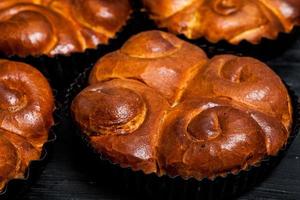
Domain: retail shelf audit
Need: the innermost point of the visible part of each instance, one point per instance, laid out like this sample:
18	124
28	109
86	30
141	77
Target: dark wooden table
67	177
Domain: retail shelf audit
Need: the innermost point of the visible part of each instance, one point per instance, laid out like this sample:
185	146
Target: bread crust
26	107
230	20
224	114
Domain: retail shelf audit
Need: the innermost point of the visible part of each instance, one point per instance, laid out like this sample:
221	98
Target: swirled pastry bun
160	105
210	137
122	119
230	20
50	27
245	80
26	107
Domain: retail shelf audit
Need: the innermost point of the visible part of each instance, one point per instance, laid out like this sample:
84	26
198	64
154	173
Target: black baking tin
137	185
17	187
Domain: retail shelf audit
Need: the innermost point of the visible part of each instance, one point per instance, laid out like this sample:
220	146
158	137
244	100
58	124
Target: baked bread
161	106
26	107
35	27
230	20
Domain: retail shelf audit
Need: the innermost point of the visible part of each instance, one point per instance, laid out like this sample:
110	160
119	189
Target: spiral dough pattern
26	106
231	20
50	27
160	105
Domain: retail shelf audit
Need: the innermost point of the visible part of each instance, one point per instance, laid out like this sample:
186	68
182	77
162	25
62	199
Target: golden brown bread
125	125
160	60
231	20
223	115
244	80
26	107
35	27
209	137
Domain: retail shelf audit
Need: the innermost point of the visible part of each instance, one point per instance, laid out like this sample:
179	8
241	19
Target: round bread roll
202	118
26	107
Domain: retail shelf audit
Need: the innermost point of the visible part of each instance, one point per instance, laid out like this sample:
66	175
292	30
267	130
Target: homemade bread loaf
160	105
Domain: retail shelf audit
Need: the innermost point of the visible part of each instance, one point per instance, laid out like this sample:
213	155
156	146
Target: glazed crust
230	20
26	107
245	80
224	114
160	60
123	120
35	27
210	137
